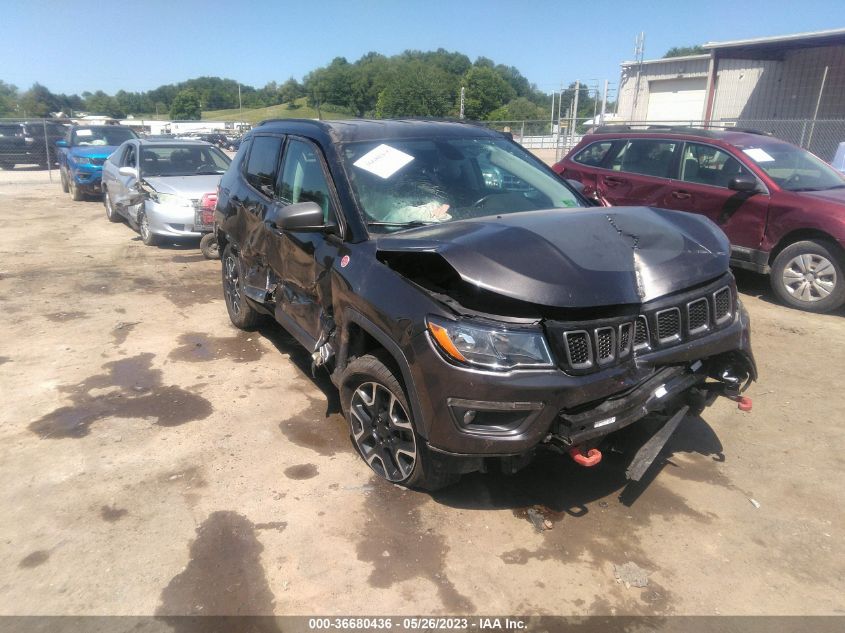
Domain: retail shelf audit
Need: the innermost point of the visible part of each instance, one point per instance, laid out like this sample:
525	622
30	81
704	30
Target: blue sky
141	44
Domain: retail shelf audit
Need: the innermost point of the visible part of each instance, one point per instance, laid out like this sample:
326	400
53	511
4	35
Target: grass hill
301	110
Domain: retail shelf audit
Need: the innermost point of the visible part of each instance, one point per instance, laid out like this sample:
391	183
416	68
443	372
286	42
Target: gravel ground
157	461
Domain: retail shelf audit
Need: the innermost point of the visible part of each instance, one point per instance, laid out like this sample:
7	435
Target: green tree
101	103
520	109
38	101
416	90
185	106
290	91
8	98
681	51
485	91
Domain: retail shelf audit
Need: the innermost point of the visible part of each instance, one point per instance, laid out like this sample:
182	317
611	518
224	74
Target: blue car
82	154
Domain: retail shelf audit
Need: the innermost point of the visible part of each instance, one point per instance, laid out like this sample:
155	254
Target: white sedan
165	189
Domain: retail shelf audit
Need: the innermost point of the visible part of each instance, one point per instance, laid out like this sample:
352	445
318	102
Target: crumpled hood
187	186
576	258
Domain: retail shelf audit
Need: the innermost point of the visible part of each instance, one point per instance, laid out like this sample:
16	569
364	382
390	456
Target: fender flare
350	315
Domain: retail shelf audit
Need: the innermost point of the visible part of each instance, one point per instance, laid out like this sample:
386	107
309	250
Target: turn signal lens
442	337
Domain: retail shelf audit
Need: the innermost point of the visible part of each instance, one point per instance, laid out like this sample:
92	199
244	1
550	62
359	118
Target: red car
782	208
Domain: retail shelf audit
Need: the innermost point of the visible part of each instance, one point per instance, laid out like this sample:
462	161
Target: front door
702	187
301	261
125	186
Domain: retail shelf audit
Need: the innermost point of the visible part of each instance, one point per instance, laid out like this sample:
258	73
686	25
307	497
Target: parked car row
782	208
28	143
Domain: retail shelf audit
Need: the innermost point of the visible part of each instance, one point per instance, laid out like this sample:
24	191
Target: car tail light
208	201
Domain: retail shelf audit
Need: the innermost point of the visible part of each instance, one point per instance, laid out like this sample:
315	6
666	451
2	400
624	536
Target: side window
707	165
647	157
130	158
594	154
303	179
262	163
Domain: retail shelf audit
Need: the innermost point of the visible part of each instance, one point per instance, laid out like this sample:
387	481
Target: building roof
666	60
810	38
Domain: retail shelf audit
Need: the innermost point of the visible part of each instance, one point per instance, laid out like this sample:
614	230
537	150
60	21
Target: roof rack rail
710	127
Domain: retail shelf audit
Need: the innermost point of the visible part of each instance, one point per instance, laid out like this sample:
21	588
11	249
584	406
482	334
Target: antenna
639	49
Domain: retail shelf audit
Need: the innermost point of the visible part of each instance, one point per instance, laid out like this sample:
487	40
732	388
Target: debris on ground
631	574
754	502
537	519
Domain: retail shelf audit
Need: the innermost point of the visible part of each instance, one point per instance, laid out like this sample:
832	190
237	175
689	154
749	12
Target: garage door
677	100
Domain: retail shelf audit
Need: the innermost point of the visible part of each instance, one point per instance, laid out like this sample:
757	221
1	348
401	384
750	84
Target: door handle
612	182
681	195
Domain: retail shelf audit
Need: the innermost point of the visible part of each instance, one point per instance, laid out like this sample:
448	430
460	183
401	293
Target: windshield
407	182
110	135
182	160
793	168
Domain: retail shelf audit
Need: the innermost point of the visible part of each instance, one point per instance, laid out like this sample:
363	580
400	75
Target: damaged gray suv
470	306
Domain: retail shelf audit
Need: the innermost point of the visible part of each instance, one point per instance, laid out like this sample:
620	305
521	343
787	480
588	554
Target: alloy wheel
232	286
809	277
381	428
144	227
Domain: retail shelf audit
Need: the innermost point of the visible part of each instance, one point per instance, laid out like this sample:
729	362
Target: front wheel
808	275
111	214
75	192
147	236
208	246
382	427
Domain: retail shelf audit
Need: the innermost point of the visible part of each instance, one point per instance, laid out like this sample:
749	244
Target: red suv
782	208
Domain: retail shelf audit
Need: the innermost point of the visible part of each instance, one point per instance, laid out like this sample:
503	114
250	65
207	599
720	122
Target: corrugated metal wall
670	69
738	79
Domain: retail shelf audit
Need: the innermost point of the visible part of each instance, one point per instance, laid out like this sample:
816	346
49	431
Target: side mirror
128	171
302	216
61	143
577	185
745	183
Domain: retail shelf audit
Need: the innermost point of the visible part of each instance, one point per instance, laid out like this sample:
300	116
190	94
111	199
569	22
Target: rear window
594	154
646	156
262	163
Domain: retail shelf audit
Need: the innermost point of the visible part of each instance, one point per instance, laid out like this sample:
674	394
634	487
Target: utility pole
639	48
240	103
557	141
463	92
574	113
552	117
604	101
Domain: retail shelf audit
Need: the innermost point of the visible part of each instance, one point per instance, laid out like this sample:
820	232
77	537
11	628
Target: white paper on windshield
84	133
758	155
383	161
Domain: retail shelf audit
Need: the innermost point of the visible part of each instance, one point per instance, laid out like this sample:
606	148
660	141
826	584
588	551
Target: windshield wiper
411	223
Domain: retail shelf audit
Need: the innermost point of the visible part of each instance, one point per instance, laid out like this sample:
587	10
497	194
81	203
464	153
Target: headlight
489	347
170	199
81	160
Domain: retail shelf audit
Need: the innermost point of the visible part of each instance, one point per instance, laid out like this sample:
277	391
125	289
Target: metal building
790	85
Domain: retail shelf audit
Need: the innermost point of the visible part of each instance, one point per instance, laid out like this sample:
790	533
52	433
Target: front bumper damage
575	414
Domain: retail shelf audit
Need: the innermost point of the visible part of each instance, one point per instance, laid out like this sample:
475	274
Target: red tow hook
592	457
743	403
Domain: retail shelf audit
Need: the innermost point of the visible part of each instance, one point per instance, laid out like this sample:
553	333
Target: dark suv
23	143
782	208
470	321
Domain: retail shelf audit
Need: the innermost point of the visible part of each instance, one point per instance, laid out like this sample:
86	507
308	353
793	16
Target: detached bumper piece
651	449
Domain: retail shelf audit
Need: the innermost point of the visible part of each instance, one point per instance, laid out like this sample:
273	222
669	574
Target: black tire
75	192
208	246
815	270
242	315
4	164
65	187
385	437
147	236
111	213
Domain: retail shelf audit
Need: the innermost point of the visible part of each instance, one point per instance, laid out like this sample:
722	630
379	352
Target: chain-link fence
28	146
548	138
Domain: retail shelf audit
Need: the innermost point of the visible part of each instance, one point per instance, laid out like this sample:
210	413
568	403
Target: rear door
702	187
637	174
251	203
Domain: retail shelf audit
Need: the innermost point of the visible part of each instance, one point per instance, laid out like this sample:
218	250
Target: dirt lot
156	460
